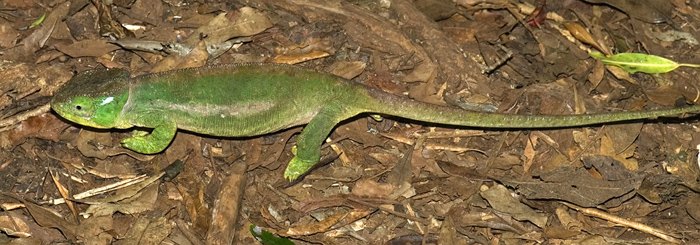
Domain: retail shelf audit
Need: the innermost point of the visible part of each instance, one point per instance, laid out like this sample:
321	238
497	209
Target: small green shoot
636	62
37	22
268	238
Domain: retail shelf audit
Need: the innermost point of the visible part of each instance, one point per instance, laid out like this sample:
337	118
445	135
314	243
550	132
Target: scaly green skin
255	99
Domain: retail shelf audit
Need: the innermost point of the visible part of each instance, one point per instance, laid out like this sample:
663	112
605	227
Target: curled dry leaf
14	226
584	36
500	198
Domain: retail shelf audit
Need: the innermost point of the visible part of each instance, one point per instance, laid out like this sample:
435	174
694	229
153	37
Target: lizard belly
239	120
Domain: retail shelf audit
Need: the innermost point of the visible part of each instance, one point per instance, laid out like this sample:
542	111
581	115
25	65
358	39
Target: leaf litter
484	186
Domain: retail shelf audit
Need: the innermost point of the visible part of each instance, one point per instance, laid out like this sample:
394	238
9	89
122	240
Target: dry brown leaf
197	57
88	146
97	230
294	59
247	22
371	188
666	95
147	230
26	48
347	69
530	152
582	35
597	74
650	11
623	135
501	199
620	73
140	202
607	148
87	48
45	126
574	185
317	227
14	226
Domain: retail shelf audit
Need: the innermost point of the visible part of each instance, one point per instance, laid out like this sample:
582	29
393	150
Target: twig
21	117
402	215
624	222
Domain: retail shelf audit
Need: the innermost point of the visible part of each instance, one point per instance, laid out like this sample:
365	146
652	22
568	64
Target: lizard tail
393	105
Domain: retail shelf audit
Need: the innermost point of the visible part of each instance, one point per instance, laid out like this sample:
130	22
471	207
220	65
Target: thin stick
624	222
21	117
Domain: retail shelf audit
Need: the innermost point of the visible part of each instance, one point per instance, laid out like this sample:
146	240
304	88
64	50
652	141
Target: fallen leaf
583	35
14	226
249	21
500	198
371	188
609	168
44	126
141	202
665	95
607	148
26	48
317	227
623	135
347	69
148	230
650	11
636	62
87	48
658	188
573	185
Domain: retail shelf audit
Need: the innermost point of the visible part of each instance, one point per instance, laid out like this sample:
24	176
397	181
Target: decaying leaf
87	48
317	227
623	135
575	185
607	148
147	230
221	28
583	35
657	188
14	226
651	11
501	199
44	126
138	203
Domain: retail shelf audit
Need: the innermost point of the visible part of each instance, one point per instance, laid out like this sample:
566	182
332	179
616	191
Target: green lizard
255	99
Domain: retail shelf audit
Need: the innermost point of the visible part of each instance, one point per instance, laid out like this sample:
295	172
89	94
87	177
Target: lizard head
94	98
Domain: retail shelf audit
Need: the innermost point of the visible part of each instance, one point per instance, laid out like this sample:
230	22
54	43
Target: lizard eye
79	107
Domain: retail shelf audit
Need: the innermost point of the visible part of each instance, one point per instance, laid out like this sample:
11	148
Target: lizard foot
297	167
141	144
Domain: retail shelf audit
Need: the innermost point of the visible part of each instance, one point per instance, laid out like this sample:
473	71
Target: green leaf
268	238
636	62
37	22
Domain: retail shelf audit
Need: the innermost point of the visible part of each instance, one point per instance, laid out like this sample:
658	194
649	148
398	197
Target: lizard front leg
308	147
161	136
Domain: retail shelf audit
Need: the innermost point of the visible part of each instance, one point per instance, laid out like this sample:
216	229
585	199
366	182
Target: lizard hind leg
307	151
